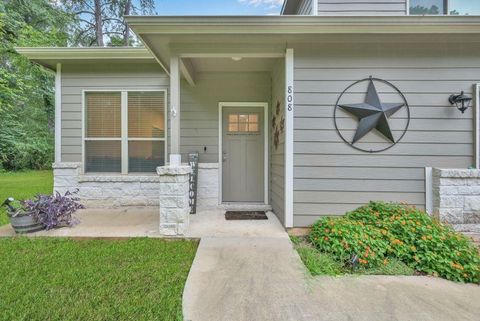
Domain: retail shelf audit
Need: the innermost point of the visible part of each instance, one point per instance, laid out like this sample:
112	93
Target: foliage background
27	104
26	90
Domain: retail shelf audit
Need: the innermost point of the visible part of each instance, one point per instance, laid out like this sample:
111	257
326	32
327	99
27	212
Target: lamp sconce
462	102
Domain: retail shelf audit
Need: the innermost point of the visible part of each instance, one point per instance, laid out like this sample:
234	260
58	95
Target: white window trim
447	8
124	120
262	105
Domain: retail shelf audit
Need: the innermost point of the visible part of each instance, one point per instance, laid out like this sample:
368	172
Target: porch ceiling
268	36
231	65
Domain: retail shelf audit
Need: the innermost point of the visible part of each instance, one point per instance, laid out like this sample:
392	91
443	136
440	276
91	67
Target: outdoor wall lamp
462	101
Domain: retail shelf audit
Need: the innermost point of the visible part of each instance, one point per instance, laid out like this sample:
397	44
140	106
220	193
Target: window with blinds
103	132
146	131
139	147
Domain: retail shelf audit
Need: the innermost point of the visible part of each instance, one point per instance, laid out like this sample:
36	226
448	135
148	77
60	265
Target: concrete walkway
249	271
246	271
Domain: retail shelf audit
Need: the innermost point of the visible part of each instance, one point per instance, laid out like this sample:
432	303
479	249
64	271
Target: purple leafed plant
54	210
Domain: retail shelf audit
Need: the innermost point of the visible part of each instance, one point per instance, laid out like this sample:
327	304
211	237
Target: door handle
224	158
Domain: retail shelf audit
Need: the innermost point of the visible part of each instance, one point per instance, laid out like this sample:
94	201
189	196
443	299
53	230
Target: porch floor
144	222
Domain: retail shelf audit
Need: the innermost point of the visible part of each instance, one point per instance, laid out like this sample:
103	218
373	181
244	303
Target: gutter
75	53
303	24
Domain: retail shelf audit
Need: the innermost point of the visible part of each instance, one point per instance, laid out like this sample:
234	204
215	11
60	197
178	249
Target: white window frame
124	127
446	13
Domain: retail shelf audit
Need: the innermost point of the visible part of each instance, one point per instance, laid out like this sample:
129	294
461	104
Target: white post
289	113
175	158
428	190
315	7
476	123
58	114
124	124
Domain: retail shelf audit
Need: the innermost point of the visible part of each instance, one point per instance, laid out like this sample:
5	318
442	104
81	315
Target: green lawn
318	263
23	185
62	279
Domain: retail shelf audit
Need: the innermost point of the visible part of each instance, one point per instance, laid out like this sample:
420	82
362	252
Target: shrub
349	241
54	210
396	231
421	242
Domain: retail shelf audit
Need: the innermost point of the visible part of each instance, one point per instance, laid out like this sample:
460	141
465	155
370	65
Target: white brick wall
174	199
117	190
456	195
207	188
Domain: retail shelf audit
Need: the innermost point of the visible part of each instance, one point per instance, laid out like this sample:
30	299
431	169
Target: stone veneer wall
113	190
456	196
207	187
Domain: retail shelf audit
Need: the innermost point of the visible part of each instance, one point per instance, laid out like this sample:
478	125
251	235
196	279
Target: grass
318	263
23	185
62	279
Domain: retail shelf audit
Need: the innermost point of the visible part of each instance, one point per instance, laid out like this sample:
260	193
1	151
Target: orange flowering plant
376	232
350	242
422	242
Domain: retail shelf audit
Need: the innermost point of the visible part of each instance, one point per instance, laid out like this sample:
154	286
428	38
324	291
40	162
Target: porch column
289	115
58	114
175	158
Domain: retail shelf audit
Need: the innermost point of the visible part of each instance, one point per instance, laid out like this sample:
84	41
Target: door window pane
145	156
103	156
464	7
253	127
243	123
427	7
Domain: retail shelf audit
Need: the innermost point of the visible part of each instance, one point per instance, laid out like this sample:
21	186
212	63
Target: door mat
245	215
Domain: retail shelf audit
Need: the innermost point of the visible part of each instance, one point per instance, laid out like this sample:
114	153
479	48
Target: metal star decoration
372	114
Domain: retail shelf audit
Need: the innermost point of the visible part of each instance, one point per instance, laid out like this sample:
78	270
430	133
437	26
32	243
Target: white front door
243	154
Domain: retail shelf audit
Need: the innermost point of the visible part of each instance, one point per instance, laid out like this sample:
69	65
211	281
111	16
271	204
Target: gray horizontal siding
76	78
362	7
330	177
199	107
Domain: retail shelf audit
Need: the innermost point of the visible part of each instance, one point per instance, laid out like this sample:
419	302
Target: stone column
174	199
65	176
456	195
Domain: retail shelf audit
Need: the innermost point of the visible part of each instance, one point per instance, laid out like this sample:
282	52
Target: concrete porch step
245	207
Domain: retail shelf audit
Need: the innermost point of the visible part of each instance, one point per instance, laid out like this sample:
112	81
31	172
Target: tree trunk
99	23
126	35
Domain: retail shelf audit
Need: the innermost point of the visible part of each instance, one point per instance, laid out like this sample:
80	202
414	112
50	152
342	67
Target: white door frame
222	105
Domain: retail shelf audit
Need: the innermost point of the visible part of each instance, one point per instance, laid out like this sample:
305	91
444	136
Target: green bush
349	241
396	231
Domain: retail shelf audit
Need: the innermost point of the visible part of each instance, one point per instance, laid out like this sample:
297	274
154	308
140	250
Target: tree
26	90
102	20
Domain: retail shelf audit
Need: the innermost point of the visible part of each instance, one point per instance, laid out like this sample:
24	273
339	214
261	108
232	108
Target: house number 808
290	98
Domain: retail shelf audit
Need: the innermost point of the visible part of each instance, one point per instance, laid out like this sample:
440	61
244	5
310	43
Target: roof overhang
49	57
187	36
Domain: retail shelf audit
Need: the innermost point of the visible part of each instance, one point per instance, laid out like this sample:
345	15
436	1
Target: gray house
313	112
